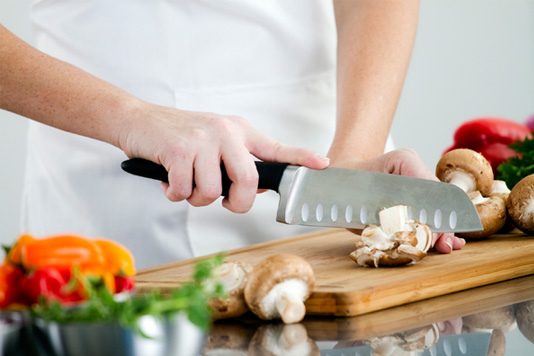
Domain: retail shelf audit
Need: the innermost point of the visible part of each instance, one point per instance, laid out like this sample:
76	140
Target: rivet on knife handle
270	173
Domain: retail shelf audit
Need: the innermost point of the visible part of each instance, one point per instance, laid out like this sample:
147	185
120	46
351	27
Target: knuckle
248	179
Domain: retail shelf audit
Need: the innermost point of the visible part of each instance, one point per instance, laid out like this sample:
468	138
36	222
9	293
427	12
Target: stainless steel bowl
11	327
173	336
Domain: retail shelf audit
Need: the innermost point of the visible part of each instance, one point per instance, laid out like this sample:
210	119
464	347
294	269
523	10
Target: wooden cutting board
345	289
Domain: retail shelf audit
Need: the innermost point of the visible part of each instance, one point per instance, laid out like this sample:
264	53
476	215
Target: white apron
271	62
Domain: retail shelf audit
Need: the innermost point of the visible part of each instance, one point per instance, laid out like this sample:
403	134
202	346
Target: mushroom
492	213
397	241
466	169
524	313
520	204
502	318
497	344
280	339
410	342
470	171
500	188
233	276
278	287
226	338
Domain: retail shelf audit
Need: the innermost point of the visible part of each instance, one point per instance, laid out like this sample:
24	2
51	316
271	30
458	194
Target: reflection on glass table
492	320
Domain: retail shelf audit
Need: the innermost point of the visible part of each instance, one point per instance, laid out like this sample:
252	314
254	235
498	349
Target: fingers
180	176
447	242
242	172
192	146
207	175
405	162
268	149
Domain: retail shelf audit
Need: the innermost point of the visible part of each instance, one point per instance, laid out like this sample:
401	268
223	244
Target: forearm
58	94
375	41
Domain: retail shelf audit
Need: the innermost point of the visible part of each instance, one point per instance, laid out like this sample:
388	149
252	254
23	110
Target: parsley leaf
516	168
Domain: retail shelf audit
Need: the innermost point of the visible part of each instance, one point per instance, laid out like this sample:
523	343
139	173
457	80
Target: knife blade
347	198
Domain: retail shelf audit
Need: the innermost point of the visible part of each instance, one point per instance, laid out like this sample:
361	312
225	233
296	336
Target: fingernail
463	242
448	241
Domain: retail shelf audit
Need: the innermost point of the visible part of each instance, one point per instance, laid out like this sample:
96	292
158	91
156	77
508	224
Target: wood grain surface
345	289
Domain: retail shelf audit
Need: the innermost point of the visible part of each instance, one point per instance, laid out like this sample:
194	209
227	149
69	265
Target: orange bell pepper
14	255
119	260
61	251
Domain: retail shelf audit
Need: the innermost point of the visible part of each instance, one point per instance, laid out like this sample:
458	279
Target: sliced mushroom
397	241
278	287
492	213
282	340
520	204
466	169
409	342
233	276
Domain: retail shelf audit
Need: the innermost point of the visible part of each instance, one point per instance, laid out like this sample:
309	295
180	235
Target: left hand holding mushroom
405	162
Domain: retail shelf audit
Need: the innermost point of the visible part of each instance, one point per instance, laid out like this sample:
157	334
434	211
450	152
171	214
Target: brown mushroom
228	338
278	287
397	241
499	318
524	313
500	188
233	276
280	339
492	213
497	344
466	169
520	204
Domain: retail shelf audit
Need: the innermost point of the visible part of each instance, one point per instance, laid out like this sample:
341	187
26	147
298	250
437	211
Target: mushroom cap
520	204
524	313
492	213
467	161
499	318
234	276
272	271
229	336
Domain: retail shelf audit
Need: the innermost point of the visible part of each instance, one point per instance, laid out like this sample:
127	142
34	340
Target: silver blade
336	197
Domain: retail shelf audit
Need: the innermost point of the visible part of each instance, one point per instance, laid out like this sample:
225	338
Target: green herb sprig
192	298
516	168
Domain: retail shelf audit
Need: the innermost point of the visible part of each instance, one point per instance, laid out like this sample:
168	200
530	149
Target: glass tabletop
497	319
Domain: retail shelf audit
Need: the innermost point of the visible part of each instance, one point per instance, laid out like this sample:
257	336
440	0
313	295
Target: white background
472	58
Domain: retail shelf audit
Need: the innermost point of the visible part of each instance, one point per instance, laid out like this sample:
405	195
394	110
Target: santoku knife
347	198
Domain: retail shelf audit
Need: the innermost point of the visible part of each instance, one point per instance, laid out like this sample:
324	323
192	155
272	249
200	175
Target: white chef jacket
271	62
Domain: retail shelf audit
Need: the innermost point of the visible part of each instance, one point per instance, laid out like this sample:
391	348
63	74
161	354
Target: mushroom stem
290	307
462	180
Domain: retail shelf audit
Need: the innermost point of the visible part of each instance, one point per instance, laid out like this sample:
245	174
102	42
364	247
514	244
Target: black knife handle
270	173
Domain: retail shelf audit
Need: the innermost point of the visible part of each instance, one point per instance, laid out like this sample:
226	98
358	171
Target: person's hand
192	145
405	162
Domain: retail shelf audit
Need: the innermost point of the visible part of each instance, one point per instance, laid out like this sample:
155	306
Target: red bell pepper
50	283
10	277
124	284
490	137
